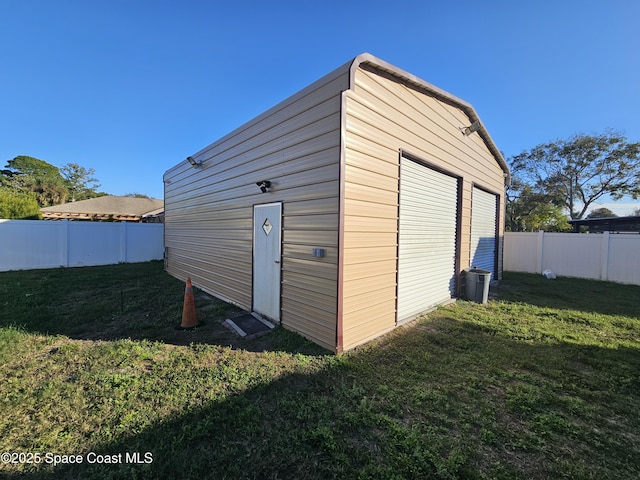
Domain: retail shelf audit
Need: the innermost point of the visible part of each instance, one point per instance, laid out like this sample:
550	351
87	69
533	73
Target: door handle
276	261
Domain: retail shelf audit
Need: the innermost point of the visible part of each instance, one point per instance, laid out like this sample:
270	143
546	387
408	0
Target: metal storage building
345	210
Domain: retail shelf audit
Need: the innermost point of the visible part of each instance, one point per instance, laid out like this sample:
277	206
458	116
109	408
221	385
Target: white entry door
266	259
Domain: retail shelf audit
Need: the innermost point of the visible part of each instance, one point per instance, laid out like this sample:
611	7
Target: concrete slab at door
267	238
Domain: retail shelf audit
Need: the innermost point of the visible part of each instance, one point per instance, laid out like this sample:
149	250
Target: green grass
543	382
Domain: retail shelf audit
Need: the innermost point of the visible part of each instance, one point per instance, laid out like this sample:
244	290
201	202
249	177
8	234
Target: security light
264	185
474	127
193	163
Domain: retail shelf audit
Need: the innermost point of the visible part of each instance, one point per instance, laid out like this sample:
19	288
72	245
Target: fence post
64	242
123	242
540	251
604	257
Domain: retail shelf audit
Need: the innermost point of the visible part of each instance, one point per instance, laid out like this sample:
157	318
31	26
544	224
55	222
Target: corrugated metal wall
383	117
208	214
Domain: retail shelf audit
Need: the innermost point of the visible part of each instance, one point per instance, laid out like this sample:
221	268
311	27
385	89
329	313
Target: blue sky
132	87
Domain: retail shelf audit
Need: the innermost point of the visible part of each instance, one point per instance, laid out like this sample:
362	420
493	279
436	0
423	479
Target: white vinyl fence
33	244
600	256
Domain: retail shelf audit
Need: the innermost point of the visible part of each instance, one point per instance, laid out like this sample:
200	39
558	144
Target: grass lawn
542	382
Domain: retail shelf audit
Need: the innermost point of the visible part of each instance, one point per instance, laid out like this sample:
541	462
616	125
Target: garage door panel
417	260
483	230
427	238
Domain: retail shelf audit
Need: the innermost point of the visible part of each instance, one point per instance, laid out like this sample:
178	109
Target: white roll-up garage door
483	230
427	238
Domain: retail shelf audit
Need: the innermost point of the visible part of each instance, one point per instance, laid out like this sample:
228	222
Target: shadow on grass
137	301
437	399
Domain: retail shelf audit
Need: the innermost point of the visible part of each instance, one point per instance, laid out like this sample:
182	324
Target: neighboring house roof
106	208
608	224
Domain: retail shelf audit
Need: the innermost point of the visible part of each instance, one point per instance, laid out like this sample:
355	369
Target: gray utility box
477	284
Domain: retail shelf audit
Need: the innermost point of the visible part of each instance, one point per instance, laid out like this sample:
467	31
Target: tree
636	212
18	205
601	212
80	182
25	166
137	195
582	169
528	210
29	174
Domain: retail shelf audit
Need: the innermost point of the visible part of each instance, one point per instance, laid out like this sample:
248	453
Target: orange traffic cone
189	318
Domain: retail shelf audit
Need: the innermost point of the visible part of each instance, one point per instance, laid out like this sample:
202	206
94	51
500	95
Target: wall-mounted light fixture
264	185
474	127
193	163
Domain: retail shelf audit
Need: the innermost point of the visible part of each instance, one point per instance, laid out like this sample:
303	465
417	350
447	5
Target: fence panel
33	244
93	244
141	241
624	259
612	257
572	255
520	252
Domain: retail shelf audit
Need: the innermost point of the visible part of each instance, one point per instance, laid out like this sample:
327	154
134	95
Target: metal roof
432	90
365	60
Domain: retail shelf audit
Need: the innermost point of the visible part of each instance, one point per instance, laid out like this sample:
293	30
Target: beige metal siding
384	116
208	211
370	232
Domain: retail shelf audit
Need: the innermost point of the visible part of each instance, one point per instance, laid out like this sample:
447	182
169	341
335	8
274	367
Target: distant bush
18	205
